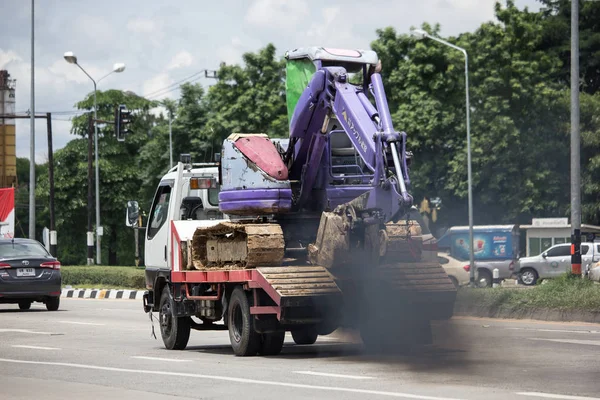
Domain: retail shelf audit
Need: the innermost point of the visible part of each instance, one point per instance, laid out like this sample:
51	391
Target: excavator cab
302	63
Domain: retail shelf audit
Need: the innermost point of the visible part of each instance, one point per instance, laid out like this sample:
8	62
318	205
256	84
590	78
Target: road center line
25	331
553	330
556	396
231	379
160	359
23	346
80	323
572	341
332	375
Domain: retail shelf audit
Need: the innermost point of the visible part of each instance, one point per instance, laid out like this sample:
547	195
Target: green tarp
298	75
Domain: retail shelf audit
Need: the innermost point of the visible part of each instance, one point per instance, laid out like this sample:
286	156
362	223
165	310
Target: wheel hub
166	319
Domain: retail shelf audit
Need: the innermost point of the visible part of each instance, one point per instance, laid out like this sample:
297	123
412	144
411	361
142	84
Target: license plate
26	272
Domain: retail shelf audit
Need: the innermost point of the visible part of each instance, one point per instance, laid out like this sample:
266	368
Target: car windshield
22	249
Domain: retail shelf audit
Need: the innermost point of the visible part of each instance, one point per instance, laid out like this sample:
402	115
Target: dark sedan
28	273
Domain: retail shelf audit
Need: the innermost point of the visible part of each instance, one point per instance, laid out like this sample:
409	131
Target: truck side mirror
544	255
133	213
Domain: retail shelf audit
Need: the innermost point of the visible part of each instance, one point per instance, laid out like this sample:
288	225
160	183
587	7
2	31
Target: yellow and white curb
102	294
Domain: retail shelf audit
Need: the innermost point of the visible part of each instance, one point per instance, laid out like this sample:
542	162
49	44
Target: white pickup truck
554	262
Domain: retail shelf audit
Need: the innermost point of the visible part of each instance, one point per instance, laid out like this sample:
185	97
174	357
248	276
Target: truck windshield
213	196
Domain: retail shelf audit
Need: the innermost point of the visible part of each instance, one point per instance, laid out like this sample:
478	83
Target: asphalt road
93	349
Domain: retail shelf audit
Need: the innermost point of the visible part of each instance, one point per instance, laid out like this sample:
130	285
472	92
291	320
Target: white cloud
141	25
8	56
150	30
181	60
153	86
279	14
232	52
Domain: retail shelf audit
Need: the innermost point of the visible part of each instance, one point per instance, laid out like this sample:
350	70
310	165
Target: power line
174	84
171	90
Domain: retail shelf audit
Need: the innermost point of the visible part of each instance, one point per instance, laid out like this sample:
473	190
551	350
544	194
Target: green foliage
564	293
519	118
519	96
248	99
103	277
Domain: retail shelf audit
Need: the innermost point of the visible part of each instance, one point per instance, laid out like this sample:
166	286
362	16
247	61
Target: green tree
119	178
247	99
557	39
518	115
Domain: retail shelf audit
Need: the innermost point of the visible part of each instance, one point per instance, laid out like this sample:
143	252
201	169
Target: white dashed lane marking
22	346
315	388
360	377
571	341
556	396
80	323
160	359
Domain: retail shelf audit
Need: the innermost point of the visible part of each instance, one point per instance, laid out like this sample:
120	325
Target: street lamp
119	67
421	34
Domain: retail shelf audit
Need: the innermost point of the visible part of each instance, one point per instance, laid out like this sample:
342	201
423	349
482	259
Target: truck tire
175	331
528	276
307	335
484	278
245	341
24	305
272	343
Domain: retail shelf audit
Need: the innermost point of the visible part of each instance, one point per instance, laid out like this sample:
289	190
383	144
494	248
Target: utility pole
575	144
170	141
90	233
32	136
51	184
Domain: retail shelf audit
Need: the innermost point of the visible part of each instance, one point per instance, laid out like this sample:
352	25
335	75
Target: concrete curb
102	294
536	314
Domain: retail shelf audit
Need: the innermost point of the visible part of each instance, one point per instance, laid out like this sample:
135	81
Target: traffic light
122	120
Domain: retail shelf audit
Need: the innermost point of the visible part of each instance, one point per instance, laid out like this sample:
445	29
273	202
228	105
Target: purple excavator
335	194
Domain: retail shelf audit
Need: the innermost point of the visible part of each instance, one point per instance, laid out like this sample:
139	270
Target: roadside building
544	233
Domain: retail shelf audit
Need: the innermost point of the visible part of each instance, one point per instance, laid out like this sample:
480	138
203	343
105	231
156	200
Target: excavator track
230	245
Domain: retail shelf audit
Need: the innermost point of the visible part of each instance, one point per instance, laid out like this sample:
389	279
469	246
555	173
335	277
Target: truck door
558	260
158	227
587	256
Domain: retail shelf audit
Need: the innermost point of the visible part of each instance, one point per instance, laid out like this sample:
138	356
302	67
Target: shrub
103	277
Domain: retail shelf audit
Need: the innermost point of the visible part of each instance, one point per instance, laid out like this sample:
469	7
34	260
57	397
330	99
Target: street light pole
32	135
575	145
170	142
422	35
70	58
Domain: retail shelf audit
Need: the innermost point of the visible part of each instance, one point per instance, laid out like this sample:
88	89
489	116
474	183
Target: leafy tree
557	39
249	99
518	118
119	178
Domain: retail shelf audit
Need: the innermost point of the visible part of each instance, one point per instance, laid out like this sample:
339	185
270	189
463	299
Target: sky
163	42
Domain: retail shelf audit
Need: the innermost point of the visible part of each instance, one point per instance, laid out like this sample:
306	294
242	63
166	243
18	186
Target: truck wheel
175	331
484	278
52	303
245	341
24	305
529	276
272	343
454	281
307	335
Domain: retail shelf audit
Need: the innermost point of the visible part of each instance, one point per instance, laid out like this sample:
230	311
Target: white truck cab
187	192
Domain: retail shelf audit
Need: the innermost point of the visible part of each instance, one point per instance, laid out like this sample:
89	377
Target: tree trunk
112	246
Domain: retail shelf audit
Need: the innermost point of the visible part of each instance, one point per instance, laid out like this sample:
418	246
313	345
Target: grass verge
103	277
565	293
